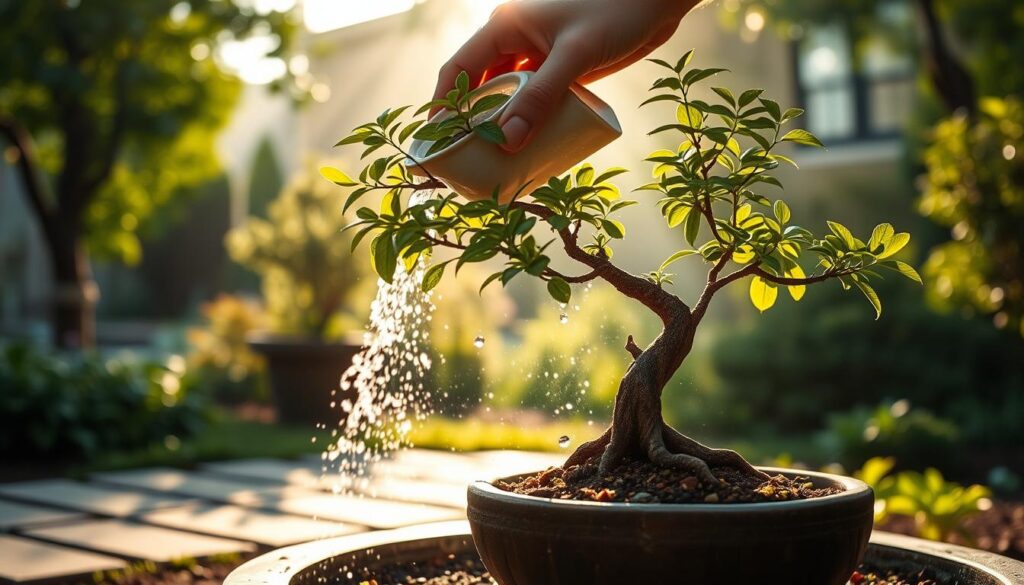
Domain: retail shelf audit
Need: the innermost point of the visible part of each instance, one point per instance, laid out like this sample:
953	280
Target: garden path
57	530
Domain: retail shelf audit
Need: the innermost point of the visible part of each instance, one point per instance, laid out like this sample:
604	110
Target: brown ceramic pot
525	540
302	373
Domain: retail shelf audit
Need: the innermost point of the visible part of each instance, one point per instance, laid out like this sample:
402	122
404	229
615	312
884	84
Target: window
856	88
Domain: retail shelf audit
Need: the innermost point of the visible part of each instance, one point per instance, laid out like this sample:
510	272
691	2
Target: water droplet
478	342
564	441
563	318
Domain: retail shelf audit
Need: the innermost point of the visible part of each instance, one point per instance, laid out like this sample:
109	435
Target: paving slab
371	512
17	515
92	498
139	541
424	491
303	472
186	483
24	561
271	529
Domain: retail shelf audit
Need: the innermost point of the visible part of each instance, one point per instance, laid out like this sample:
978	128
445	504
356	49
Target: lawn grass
229	437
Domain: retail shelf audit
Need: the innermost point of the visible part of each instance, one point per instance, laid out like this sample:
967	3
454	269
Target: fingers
531	107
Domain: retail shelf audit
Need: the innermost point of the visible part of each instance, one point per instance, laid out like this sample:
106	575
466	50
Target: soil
204	572
467	569
643	482
463	569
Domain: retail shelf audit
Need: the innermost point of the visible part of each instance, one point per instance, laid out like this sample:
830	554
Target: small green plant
938	507
308	274
221	361
715	185
464	109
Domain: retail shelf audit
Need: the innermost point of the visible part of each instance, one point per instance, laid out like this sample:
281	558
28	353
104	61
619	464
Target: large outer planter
525	540
322	561
302	373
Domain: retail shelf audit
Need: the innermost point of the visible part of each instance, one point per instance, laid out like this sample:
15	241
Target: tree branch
35	189
786	281
667	306
633	349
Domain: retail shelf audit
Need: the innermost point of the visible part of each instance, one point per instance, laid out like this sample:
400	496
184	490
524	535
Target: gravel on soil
643	482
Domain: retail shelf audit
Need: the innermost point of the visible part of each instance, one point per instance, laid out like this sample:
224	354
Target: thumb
535	102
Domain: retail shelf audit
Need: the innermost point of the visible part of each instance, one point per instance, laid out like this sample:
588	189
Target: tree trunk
950	78
638	430
75	293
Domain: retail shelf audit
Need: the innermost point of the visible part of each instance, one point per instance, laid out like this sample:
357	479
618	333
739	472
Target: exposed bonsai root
669	448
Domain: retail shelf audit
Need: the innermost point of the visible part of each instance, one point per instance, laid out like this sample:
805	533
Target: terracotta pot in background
302	372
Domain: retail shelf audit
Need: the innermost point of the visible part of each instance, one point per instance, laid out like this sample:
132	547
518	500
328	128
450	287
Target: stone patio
58	530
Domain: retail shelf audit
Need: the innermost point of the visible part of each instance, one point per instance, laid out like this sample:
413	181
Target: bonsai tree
304	259
714	188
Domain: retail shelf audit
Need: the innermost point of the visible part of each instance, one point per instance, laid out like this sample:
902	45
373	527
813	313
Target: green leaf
559	222
872	297
490	131
408	130
908	271
585	176
683	61
488	103
896	244
692	225
384	257
337	177
559	290
773	108
880	236
748	96
763	293
843	233
433	275
725	94
462	83
676	256
614	228
804	137
781	211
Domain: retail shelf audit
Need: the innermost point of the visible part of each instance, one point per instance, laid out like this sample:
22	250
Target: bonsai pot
331	560
526	540
302	373
580	126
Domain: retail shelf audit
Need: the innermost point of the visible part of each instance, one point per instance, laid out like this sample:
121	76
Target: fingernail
515	130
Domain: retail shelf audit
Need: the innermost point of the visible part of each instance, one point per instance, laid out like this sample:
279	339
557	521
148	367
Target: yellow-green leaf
763	293
908	271
674	257
796	291
896	244
872	297
743	254
336	176
689	116
881	235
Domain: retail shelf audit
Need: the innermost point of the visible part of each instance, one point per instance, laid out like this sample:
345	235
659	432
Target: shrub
51	406
912	436
308	273
221	363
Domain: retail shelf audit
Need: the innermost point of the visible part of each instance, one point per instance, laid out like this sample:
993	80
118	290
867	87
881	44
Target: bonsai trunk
638	430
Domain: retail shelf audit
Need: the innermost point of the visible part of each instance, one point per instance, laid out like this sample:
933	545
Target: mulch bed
204	572
999	529
643	482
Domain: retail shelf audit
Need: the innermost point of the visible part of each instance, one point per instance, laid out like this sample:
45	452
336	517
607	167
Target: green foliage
892	429
221	362
124	103
51	407
465	112
786	371
938	507
304	259
710	179
974	185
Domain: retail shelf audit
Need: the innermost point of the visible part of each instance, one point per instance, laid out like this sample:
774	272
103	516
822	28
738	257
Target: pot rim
852	488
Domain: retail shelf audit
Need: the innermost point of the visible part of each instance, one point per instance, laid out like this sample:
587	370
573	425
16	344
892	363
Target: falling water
382	393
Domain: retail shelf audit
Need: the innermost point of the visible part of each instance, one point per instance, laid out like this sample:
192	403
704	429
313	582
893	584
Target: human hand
572	40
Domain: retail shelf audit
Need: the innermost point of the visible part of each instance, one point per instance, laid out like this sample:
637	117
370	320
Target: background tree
711	185
973	182
123	102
